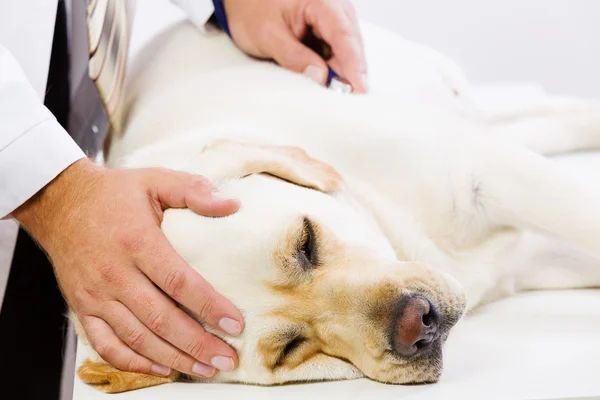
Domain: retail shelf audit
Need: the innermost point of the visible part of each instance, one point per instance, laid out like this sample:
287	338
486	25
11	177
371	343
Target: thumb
291	54
175	189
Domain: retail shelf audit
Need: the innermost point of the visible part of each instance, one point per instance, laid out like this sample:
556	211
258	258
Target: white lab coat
34	148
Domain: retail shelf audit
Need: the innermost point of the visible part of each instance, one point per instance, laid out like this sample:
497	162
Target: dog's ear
108	379
224	159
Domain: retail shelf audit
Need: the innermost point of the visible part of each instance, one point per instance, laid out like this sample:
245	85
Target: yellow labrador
369	224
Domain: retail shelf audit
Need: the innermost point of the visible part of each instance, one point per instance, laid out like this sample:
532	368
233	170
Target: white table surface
538	345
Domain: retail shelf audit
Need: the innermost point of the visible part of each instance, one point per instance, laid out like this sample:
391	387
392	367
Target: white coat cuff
198	12
33	160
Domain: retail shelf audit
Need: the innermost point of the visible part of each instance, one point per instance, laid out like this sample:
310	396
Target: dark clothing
32	319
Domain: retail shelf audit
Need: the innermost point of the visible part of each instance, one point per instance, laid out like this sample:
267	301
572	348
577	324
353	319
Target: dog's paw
109	379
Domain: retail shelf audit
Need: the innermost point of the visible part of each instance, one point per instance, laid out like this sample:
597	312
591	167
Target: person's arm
274	29
101	230
34	148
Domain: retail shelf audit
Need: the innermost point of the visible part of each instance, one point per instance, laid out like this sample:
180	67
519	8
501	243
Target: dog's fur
407	194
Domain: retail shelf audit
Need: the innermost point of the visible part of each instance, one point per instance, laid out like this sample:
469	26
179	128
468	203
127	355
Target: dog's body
431	199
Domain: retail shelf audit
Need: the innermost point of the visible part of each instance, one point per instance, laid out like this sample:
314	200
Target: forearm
56	203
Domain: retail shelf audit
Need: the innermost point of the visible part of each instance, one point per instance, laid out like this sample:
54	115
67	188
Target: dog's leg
511	186
108	379
554	125
542	263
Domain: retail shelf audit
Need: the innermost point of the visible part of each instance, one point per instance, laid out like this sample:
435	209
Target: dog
369	223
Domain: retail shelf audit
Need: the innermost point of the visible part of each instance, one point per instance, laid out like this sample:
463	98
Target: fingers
290	53
144	342
112	350
161	263
335	22
165	320
174	189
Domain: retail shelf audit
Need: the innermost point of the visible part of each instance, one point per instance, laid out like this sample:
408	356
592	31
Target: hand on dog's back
101	229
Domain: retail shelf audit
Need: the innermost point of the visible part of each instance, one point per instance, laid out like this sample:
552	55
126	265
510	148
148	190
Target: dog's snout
416	328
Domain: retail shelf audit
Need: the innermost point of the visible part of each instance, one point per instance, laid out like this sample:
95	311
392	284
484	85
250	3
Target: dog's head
322	292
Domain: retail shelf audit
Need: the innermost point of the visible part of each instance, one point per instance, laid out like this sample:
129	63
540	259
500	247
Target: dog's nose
417	327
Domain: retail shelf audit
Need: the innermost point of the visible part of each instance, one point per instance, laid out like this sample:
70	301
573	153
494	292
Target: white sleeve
34	148
197	11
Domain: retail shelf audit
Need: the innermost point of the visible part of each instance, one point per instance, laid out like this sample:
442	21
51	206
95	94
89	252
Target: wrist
49	207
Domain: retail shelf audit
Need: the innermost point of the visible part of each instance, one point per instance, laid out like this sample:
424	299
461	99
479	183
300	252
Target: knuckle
134	365
104	350
199	182
143	299
197	349
175	283
136	338
109	273
176	360
131	240
158	323
207	307
81	299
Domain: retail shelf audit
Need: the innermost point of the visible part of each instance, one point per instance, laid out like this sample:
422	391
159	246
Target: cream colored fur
436	196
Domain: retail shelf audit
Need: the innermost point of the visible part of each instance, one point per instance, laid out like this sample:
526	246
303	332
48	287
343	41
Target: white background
554	42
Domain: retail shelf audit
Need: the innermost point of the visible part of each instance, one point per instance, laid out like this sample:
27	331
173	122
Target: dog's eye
291	346
307	250
290	350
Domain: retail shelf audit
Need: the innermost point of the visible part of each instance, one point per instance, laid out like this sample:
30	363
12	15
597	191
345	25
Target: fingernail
222	363
158	369
220	197
230	326
315	73
203	370
364	81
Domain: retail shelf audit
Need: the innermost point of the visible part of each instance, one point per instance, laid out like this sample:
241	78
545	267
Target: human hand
101	230
274	29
